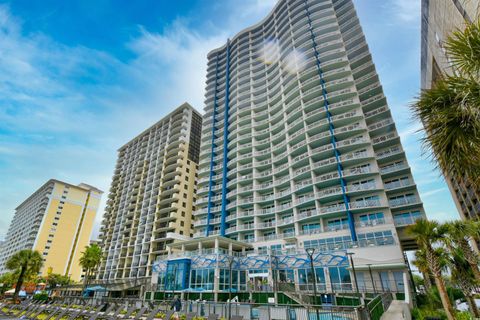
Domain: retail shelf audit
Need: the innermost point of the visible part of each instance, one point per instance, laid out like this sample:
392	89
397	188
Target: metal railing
248	310
377	307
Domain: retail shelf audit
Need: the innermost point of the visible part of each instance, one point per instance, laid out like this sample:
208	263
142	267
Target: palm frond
463	49
450	113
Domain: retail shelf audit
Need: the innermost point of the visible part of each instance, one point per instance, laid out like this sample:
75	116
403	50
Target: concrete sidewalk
398	310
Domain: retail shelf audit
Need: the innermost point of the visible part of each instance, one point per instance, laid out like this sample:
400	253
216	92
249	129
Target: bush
426	314
43	296
463	316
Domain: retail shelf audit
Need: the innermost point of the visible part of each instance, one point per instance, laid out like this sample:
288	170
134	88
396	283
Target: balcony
406	221
394	185
402	202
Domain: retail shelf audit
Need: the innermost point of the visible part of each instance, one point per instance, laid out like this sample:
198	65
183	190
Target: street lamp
230	265
310	252
371	277
275	278
352	265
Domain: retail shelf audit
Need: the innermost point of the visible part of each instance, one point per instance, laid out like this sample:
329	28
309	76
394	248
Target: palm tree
90	259
459	233
428	235
26	263
450	111
422	265
464	278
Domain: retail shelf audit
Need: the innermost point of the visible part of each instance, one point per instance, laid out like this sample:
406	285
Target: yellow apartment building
57	221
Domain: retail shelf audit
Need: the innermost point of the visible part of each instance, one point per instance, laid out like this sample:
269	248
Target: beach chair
96	310
130	312
60	311
17	306
153	313
115	314
190	316
35	311
140	313
100	313
29	305
168	315
73	314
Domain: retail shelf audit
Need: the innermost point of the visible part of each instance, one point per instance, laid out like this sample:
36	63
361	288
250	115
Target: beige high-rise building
439	19
151	197
57	221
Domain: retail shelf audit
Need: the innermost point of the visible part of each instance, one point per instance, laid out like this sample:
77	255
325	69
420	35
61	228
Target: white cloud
406	11
431	192
56	126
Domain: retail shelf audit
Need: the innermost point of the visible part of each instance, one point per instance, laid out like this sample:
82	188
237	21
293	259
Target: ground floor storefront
223	269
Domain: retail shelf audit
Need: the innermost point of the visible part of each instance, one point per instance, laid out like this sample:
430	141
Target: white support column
406	284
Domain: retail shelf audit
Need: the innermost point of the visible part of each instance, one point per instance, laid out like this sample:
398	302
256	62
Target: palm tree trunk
19	284
472	304
475	270
85	280
471	257
426	281
444	297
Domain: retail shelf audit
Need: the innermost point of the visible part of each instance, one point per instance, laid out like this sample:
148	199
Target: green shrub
43	296
463	316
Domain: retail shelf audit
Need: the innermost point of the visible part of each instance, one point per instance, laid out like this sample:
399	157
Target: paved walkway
398	310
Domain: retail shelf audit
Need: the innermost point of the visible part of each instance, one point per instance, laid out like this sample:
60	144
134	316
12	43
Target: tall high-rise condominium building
439	19
152	194
299	151
57	221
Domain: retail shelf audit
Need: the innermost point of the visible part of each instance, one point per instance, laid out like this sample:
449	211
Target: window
183	214
311	228
262	250
276	249
184	204
340	278
337	224
407	218
371	219
305	278
379	238
185	196
249	237
202	279
182	223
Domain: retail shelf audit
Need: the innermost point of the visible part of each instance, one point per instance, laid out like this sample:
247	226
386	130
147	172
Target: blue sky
78	79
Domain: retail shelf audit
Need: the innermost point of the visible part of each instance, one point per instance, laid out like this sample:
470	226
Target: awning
96	288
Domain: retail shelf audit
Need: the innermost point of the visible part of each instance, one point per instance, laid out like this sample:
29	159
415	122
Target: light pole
310	252
352	265
230	265
371	277
275	278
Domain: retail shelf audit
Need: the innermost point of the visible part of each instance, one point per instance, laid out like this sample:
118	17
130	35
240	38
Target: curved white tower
298	145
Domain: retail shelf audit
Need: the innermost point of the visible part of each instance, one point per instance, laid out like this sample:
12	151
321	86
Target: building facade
57	221
299	151
439	19
151	197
